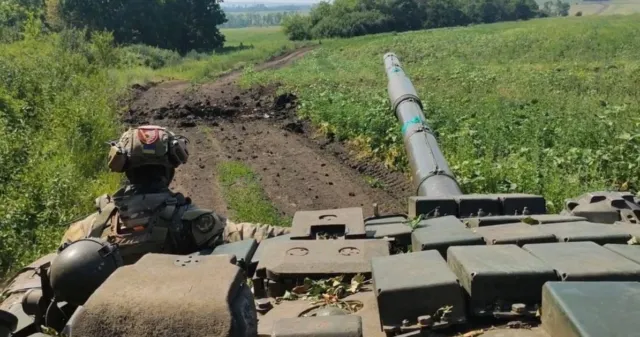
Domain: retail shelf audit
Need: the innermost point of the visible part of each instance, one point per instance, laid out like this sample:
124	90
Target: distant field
244	46
605	7
548	106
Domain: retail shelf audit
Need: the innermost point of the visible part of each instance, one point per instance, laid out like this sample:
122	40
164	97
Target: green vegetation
244	47
57	109
181	25
348	18
247	201
547	106
59	94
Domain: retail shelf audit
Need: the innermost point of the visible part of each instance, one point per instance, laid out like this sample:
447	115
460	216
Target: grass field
244	46
548	106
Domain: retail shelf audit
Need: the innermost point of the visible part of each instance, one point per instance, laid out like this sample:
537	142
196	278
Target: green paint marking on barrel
407	124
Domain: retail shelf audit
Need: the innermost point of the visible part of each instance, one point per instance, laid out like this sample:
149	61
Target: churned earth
297	168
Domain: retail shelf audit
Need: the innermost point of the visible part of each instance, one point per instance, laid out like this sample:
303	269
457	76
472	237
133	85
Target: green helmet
81	267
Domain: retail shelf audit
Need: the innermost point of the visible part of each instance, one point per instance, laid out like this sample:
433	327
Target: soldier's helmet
148	154
81	267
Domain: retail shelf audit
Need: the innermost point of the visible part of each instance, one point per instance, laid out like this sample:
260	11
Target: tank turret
454	264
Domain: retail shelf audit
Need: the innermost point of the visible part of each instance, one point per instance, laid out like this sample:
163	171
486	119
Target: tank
455	264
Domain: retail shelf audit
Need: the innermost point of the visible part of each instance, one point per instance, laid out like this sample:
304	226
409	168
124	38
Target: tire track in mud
297	170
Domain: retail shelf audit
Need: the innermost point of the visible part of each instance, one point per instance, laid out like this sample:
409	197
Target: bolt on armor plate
189	260
495	277
325	326
441	238
517	233
412	285
585	261
578	309
347	223
432	207
471	205
599	233
522	204
299	258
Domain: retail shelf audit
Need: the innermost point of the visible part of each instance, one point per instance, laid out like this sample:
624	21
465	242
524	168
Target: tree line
348	18
242	20
180	25
264	8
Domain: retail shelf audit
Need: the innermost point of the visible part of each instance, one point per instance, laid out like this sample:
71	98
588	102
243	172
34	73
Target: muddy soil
297	169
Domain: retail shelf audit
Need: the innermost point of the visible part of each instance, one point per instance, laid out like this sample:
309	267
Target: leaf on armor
415	221
530	221
288	296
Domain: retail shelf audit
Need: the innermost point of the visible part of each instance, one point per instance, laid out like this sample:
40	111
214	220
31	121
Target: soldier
145	215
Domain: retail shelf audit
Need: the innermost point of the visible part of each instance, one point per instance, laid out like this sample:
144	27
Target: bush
180	25
348	18
147	56
57	110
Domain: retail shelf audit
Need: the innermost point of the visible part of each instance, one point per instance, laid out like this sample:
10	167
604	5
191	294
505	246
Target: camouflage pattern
208	228
234	232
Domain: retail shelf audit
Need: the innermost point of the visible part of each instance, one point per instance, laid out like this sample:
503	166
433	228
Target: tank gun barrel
431	173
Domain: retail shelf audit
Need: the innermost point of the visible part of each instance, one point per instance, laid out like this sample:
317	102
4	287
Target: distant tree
558	8
298	27
579	13
562	8
180	25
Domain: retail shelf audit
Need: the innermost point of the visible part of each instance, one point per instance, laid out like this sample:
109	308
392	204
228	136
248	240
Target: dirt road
297	170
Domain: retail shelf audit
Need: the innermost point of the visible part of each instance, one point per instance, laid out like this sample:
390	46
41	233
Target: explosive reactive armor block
517	233
301	258
415	284
586	231
631	252
391	227
344	222
581	309
504	273
255	259
470	205
327	326
441	233
585	261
